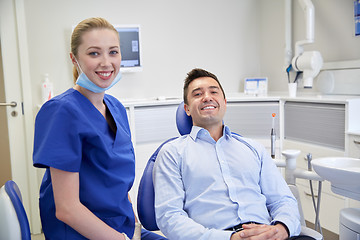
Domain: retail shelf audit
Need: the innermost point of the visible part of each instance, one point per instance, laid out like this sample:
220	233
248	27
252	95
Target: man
212	184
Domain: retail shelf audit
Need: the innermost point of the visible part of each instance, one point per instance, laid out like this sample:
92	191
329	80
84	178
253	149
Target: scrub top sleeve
57	142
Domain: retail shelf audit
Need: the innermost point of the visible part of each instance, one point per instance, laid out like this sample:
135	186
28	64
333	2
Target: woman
83	139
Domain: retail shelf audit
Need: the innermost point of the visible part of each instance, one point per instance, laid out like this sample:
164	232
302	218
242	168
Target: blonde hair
84	27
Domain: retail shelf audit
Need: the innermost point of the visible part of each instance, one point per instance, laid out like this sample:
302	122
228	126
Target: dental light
308	62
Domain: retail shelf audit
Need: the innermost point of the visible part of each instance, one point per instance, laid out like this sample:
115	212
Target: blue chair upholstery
183	121
14	224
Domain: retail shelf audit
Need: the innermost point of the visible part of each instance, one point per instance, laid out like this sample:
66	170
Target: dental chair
146	195
14	224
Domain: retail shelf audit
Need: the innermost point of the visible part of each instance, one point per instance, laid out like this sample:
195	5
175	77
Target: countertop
231	97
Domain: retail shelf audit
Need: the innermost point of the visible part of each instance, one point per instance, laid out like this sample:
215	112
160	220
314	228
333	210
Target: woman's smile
105	75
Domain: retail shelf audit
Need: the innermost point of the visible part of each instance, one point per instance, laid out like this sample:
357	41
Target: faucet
309	158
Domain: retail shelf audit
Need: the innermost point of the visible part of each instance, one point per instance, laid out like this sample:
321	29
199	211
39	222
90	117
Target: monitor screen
130	47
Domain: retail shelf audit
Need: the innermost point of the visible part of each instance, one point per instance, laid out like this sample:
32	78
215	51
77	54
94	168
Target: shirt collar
226	131
197	132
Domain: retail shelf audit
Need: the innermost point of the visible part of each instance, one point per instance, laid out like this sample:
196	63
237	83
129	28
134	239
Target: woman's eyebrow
91	48
98	48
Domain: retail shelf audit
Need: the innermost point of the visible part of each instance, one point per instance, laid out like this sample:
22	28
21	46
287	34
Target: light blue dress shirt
203	186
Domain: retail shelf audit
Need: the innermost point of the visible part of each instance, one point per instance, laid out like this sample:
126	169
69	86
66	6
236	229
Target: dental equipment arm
292	172
309	14
316	206
305	174
309	62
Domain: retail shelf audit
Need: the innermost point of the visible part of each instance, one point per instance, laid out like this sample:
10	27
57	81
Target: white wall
334	36
232	38
334	29
272	55
221	36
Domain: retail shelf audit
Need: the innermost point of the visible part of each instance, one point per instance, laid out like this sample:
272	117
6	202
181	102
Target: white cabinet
317	123
354	145
155	123
321	128
354	151
252	119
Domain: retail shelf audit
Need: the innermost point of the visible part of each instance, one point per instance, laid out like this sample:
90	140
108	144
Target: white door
17	88
5	166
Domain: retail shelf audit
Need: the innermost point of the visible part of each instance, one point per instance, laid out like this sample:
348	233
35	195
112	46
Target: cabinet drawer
354	146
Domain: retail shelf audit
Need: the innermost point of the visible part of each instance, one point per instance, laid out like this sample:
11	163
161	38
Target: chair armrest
310	232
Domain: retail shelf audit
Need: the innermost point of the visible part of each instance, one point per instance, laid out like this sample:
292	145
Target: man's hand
261	232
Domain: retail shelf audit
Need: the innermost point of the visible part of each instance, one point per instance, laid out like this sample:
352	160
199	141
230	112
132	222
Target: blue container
357	17
357	8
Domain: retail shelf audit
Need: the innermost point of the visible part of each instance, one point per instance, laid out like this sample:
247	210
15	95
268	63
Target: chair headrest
183	121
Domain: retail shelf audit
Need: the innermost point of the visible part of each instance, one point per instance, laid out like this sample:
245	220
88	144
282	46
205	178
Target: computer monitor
130	46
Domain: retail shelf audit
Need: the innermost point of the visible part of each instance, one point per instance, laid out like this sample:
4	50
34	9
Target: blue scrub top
72	135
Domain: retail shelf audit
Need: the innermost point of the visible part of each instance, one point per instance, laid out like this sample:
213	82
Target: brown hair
83	27
198	73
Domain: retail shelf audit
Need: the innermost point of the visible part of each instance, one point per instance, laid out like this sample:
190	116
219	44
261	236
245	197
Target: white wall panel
318	123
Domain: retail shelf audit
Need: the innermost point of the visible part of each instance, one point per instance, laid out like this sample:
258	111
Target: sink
342	172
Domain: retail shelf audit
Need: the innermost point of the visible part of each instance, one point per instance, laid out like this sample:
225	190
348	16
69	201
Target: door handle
11	104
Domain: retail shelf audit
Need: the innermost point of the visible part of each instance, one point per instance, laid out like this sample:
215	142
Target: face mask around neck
85	82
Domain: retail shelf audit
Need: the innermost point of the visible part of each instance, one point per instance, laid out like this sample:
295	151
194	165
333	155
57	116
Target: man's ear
187	110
